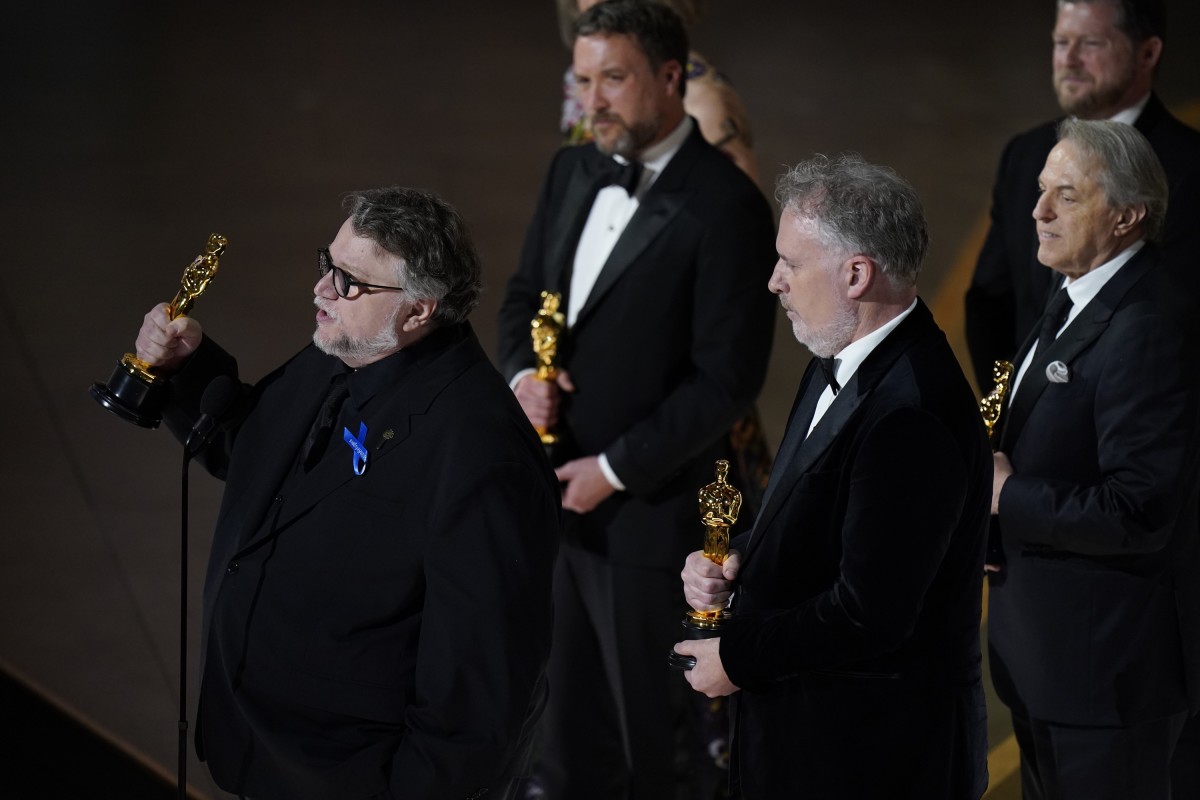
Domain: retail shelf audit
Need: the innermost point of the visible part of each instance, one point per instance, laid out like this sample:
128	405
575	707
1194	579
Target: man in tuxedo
378	600
1093	622
668	333
1105	58
853	652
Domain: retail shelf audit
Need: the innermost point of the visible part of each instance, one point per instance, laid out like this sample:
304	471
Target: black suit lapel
812	447
381	415
654	214
1087	326
582	187
278	442
1007	427
799	420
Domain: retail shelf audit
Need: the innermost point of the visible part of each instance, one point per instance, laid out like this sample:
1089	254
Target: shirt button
232	568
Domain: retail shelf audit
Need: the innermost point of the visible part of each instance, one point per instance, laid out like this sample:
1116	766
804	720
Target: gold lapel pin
387	437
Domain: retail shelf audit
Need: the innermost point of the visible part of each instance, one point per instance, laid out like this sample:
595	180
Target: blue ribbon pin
359	445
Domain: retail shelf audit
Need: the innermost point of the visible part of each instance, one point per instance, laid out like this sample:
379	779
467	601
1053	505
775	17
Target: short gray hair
862	208
438	258
1128	169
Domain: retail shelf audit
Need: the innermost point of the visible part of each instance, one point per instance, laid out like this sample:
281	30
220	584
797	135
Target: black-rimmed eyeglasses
342	282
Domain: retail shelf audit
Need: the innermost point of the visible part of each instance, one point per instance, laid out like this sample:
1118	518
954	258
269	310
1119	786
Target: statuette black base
695	627
129	396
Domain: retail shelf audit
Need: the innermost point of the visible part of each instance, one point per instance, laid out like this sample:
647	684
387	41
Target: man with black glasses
377	606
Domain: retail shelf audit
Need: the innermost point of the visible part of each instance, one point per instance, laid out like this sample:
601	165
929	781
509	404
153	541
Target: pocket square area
1058	372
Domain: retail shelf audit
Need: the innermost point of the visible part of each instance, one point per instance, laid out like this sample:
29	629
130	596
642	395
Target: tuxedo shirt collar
1084	288
1131	114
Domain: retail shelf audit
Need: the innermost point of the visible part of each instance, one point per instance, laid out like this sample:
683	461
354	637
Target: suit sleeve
730	344
907	493
485	631
182	410
522	296
991	299
1142	419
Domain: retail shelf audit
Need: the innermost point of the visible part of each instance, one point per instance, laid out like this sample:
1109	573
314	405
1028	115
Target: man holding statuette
852	650
135	392
377	605
659	246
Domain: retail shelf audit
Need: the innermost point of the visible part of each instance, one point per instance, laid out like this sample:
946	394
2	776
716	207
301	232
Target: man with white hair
1106	55
1093	624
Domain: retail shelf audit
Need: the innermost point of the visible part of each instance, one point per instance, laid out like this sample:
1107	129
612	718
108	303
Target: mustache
604	116
1071	73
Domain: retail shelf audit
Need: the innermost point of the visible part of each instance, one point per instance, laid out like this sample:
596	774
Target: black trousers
1070	762
615	706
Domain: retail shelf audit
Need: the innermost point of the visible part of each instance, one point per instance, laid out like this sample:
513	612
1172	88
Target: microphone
219	399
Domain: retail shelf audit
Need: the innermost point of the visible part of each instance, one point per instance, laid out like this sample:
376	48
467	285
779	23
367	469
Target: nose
592	99
324	286
776	283
1042	209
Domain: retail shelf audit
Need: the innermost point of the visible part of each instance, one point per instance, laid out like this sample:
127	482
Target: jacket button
232	568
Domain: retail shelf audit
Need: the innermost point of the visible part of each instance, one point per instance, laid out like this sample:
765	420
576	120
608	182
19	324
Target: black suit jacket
671	347
378	635
855	630
1098	603
1009	286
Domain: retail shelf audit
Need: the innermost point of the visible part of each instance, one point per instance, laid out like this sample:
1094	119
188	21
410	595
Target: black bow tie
828	369
626	176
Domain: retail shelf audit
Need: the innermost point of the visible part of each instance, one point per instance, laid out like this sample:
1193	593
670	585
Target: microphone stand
183	626
218	398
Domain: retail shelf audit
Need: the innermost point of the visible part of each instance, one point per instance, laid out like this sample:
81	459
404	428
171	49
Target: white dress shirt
1130	115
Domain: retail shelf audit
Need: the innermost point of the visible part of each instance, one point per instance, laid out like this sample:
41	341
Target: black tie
829	370
1056	314
626	176
322	428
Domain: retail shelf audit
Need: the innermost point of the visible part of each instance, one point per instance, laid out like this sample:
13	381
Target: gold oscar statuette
545	330
991	405
134	392
720	504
